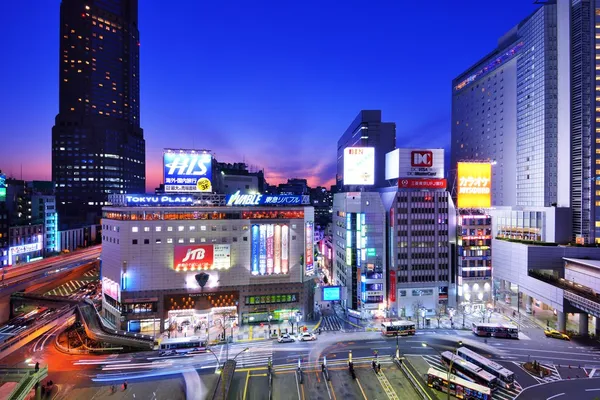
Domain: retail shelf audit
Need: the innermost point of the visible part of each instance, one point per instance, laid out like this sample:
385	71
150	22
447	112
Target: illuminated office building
98	145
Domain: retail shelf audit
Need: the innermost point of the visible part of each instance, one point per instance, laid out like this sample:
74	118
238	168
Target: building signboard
269	245
424	183
414	164
474	184
150	200
187	171
201	257
392	286
257	199
25	248
359	166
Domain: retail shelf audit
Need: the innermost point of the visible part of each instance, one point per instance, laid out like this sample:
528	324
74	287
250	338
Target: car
306	336
553	333
285	338
167	353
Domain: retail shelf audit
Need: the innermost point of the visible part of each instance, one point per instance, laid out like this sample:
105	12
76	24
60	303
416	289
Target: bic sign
421	159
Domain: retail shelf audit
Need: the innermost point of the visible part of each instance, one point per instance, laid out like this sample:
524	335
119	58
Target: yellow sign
474	185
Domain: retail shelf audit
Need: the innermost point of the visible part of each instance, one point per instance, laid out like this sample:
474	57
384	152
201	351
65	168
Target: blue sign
332	293
149	200
187	171
255	243
256	199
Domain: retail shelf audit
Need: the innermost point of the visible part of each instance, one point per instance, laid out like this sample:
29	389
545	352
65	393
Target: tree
439	313
465	310
417	306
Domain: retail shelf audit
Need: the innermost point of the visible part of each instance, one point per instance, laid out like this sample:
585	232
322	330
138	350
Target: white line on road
377	341
380	348
591	390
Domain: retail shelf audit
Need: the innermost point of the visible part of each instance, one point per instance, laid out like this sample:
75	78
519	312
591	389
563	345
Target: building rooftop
588	263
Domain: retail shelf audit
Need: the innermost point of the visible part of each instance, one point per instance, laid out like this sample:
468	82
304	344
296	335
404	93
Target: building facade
421	223
474	282
44	209
367	130
98	145
162	263
359	251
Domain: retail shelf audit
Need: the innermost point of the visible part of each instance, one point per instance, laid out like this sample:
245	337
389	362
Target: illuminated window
597	224
192	228
180	240
180	228
170	229
134	229
169	240
146	229
192	240
158	228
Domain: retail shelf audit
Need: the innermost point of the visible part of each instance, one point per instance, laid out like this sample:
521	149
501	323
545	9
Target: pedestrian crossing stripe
499	393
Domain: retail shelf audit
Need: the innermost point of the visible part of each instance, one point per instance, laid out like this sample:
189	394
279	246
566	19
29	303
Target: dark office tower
98	145
367	130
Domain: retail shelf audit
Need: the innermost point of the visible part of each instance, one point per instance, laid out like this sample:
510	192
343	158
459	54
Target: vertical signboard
474	181
310	237
392	286
277	252
187	171
2	187
270	249
285	248
262	259
255	243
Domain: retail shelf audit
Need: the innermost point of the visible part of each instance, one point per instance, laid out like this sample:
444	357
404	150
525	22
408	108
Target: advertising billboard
201	257
269	247
392	286
309	268
474	185
423	183
111	289
257	199
2	187
332	293
25	248
359	166
187	171
420	163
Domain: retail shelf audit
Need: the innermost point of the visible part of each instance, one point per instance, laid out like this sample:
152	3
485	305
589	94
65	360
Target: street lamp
423	317
451	361
270	318
219	361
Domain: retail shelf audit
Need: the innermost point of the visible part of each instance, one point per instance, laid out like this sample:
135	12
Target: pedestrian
37	366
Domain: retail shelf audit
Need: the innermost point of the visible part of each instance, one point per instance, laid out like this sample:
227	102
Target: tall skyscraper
529	106
367	130
98	145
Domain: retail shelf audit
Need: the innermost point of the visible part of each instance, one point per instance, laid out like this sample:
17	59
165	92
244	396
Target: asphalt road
139	368
580	389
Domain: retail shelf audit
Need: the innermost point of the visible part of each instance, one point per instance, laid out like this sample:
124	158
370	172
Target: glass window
180	240
170	229
134	229
134	241
158	228
158	241
180	228
192	228
192	240
169	240
146	241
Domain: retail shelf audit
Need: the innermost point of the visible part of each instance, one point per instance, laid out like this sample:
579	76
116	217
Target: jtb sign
187	171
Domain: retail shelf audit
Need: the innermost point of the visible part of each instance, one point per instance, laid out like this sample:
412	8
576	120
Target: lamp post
270	318
219	361
423	317
449	365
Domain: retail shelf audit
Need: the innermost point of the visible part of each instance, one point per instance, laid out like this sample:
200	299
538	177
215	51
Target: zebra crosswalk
331	323
500	392
258	353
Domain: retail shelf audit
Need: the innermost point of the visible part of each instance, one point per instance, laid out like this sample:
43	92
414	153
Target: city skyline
242	110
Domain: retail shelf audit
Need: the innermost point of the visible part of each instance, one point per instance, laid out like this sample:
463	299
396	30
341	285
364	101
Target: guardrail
225	379
27	382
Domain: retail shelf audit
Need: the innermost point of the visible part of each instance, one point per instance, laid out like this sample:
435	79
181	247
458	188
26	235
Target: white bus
191	344
504	375
469	371
459	388
496	330
398	328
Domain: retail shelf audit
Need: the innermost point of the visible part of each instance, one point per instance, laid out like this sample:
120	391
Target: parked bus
496	330
469	370
398	328
505	376
459	388
183	345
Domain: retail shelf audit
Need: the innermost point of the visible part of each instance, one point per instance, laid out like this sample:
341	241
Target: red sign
193	258
421	159
392	286
391	217
424	183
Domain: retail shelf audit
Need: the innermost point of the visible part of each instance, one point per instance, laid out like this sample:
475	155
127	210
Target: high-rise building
98	145
359	256
367	130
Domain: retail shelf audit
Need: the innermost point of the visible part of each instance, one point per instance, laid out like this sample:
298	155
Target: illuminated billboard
187	171
201	257
359	166
2	187
269	246
111	289
309	269
25	248
332	293
474	185
415	164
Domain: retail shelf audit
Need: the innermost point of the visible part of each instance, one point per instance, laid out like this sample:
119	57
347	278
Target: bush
535	368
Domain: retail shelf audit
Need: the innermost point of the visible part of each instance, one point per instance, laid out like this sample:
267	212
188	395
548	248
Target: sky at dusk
270	83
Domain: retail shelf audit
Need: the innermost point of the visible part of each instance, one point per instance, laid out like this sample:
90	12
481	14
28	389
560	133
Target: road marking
376	341
246	385
591	390
556	395
591	375
297	385
361	389
326	385
332	391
